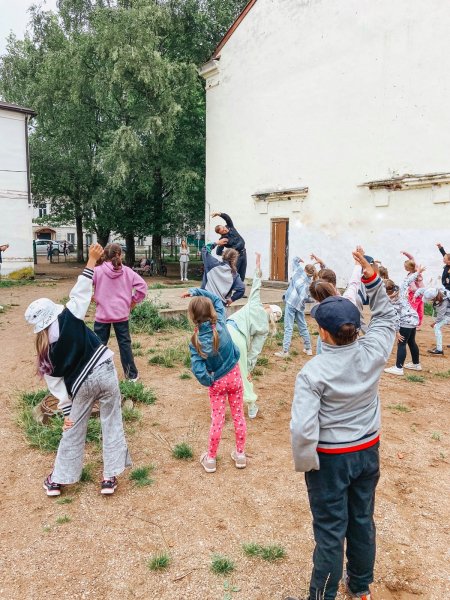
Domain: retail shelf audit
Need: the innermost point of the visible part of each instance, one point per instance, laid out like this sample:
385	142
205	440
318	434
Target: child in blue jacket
215	364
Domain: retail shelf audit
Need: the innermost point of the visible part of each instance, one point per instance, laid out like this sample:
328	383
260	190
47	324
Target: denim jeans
342	499
100	385
291	315
438	332
122	331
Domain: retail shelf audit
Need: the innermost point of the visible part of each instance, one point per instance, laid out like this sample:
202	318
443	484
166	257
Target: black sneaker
52	488
436	352
109	486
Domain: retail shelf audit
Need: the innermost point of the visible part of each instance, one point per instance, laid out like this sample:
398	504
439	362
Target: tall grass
145	318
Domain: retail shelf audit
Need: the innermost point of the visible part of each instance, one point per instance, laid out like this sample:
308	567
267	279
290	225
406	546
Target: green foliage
135	391
443	374
428	309
415	378
185	376
171	357
131	414
140	476
270	553
33	398
262	361
25	274
436	436
182	451
159	562
221	565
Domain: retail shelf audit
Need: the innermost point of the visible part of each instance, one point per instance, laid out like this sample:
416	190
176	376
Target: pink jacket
115	291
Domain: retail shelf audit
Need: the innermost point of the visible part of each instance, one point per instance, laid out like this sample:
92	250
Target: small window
71	238
88	239
42	208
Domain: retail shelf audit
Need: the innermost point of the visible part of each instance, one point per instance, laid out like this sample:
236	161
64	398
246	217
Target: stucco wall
15	212
329	95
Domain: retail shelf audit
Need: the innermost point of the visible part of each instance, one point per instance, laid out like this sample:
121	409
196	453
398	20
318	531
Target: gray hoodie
336	407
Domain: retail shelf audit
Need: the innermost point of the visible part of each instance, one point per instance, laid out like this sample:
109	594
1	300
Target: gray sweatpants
101	384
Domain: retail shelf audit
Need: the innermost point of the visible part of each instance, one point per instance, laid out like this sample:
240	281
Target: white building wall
15	212
328	95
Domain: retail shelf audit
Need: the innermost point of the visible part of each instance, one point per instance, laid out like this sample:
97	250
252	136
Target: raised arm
441	249
296	264
407	282
227	219
379	339
81	293
209	261
408	255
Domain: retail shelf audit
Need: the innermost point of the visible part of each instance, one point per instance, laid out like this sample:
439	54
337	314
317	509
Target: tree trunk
130	256
156	247
103	236
79	227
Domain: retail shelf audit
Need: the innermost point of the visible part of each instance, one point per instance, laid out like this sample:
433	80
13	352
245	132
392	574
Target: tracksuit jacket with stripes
336	408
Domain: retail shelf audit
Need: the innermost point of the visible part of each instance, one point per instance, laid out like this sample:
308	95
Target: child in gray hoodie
335	430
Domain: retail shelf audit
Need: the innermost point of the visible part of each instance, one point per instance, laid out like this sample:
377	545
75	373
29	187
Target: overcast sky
14	16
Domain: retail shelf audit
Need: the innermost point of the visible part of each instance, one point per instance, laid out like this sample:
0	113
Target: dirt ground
103	550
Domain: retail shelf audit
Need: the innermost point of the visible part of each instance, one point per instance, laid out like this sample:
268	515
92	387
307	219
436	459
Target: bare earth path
102	552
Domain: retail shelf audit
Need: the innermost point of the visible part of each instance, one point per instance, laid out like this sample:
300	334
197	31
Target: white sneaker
209	464
281	354
394	371
240	460
135	379
307	351
252	410
413	367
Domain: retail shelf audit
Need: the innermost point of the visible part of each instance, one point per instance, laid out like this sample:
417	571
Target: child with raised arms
215	364
440	298
78	370
335	429
415	301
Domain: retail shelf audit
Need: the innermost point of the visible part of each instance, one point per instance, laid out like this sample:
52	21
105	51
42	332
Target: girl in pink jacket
415	302
117	291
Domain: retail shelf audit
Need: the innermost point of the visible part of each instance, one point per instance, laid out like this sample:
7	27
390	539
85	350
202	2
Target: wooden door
280	247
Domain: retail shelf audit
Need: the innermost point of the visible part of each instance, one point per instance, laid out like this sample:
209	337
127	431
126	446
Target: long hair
410	266
113	254
184	245
383	272
327	275
273	328
231	256
321	289
200	311
44	364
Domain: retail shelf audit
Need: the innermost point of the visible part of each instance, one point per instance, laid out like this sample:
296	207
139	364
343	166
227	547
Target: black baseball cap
369	259
335	311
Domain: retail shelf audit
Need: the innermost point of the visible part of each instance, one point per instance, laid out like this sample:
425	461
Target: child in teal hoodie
214	360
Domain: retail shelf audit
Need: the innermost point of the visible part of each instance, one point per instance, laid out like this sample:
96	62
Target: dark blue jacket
215	365
235	239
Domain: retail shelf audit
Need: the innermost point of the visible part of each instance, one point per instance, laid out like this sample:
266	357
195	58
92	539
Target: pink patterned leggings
230	385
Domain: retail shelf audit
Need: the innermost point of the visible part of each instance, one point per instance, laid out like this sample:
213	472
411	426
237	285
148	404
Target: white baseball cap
41	313
430	293
276	310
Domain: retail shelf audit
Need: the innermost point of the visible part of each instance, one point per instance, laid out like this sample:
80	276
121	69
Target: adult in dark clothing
230	238
446	271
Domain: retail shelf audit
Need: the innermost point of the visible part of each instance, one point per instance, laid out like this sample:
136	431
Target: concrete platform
177	306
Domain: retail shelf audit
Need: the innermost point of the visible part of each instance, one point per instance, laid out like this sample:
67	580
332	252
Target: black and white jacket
74	349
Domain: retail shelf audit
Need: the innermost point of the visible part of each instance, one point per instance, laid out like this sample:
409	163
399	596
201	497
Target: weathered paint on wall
329	95
15	211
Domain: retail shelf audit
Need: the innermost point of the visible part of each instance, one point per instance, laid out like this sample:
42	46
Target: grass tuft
63	519
145	318
86	473
131	414
64	500
170	357
262	361
159	562
185	376
443	374
399	408
221	565
270	553
140	476
415	378
135	391
182	451
436	436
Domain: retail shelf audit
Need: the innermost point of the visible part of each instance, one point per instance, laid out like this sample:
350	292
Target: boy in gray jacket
335	429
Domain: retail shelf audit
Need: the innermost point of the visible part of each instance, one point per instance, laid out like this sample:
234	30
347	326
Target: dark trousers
342	498
241	266
409	340
122	331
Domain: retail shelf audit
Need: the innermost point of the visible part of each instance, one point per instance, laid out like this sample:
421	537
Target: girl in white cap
440	299
249	328
79	370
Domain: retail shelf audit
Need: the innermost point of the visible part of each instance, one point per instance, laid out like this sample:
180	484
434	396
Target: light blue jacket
215	365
